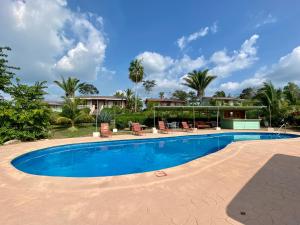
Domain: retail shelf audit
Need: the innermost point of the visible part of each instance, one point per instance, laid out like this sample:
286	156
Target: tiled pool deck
250	182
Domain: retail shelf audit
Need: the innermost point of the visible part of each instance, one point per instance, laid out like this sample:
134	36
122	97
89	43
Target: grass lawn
63	132
85	130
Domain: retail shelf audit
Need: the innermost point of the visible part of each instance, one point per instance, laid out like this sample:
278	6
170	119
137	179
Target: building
100	102
164	102
56	106
230	101
92	102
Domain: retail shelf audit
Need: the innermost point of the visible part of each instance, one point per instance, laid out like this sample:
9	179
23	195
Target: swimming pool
113	158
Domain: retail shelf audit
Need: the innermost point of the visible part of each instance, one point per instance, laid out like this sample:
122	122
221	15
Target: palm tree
136	74
270	97
70	86
292	93
198	80
161	95
71	114
129	99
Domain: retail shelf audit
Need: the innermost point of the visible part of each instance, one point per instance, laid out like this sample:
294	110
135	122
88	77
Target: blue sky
243	43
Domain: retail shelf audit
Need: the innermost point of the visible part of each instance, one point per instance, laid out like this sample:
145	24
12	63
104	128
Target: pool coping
13	176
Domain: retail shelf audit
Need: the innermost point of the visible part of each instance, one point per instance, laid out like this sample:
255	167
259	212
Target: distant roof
163	100
223	98
54	102
212	108
113	98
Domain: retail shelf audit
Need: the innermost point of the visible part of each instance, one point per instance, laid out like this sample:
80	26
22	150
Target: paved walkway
252	182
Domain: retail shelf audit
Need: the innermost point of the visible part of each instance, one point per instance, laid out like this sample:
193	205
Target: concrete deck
250	182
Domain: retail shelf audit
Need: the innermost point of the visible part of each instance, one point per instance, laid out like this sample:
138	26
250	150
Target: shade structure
217	109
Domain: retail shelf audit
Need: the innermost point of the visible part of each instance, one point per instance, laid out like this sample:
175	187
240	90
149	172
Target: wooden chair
202	125
136	129
186	127
104	130
162	127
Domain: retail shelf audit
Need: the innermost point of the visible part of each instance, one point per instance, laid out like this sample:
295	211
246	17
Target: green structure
228	117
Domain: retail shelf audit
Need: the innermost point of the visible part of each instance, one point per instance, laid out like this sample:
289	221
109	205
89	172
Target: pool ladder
281	127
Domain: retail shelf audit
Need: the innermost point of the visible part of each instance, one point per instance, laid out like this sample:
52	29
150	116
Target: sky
243	43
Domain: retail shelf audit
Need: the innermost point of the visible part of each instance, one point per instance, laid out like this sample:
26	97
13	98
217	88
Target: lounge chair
162	127
186	127
136	129
202	125
104	130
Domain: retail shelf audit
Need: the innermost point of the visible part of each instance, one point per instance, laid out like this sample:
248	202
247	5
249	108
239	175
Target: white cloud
287	69
267	20
185	40
225	64
48	39
168	71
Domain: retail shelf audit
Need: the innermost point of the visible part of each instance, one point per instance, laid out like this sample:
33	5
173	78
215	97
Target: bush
146	118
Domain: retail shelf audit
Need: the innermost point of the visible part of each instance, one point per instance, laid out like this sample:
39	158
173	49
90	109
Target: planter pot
115	130
96	134
154	130
218	128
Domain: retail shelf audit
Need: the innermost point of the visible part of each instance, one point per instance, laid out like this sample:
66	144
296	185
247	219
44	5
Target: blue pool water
128	156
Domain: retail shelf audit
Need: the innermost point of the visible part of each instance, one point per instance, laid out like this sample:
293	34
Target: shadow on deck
272	196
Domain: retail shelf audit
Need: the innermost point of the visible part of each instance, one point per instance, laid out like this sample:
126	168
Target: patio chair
136	129
162	127
104	130
202	125
186	127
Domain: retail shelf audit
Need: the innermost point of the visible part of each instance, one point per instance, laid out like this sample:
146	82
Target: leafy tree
70	86
248	93
161	95
180	95
26	116
136	75
291	93
198	80
149	85
6	73
119	94
71	114
88	89
219	94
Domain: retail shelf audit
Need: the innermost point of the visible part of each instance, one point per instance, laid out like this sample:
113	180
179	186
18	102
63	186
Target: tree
269	96
180	95
219	94
70	86
248	93
198	80
26	116
161	95
119	94
149	85
71	114
136	75
291	93
6	73
88	89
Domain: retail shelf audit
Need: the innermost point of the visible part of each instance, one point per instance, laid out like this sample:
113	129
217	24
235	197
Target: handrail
283	125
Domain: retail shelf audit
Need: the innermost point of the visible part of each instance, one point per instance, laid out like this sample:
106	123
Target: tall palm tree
70	86
198	80
136	75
